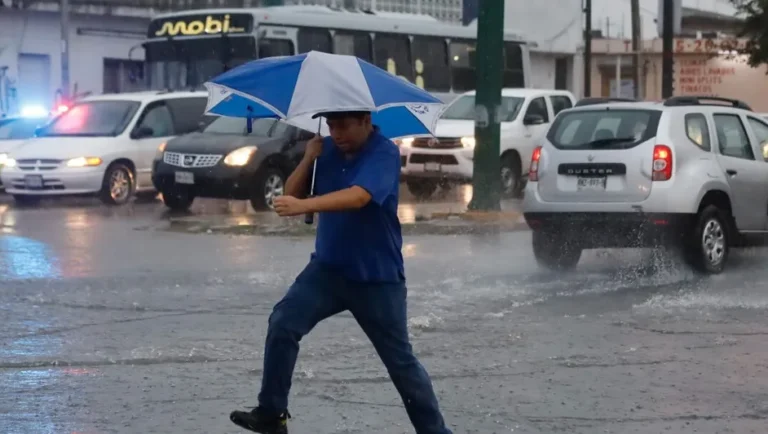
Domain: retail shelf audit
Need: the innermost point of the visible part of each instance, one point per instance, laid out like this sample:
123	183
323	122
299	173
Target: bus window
353	44
430	61
392	53
462	66
269	47
314	39
513	65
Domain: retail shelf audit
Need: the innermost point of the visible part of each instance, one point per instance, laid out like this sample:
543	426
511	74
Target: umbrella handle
309	217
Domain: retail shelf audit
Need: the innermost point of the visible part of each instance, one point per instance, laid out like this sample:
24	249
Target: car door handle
528	135
731	172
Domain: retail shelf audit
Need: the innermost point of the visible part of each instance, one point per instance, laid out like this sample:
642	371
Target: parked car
14	131
525	117
689	174
102	145
224	161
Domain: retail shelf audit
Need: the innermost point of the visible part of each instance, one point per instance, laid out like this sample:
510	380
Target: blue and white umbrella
295	88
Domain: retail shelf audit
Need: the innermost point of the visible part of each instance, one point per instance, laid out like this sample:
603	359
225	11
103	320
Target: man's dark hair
359	115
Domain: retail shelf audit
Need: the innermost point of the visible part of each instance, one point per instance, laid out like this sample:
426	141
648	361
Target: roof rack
677	101
594	101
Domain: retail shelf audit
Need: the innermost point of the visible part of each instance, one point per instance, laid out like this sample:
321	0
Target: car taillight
533	173
662	163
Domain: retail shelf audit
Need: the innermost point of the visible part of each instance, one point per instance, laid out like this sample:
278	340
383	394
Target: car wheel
511	176
178	200
269	185
707	244
553	253
25	199
422	188
118	185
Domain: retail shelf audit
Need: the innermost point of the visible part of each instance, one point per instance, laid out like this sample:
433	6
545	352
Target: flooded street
109	327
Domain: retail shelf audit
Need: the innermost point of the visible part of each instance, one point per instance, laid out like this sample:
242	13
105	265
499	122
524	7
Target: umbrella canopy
295	88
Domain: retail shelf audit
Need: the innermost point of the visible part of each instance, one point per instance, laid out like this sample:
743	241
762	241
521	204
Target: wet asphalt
109	326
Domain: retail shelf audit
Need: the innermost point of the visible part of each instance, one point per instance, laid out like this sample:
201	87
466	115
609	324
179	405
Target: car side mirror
201	126
533	120
39	131
142	133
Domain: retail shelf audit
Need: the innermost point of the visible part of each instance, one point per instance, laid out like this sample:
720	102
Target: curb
434	227
480	216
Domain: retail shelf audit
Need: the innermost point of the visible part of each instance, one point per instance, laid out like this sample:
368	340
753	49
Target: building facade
705	63
106	56
701	67
102	56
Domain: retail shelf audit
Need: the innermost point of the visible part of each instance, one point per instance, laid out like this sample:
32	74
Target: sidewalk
416	219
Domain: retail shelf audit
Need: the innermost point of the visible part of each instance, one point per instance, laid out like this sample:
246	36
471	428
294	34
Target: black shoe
260	421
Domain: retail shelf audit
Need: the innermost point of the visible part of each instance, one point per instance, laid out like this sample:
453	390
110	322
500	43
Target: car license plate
432	167
33	182
591	183
185	178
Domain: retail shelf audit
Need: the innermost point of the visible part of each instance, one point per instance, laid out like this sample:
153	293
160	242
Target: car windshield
464	108
93	119
228	125
20	128
600	128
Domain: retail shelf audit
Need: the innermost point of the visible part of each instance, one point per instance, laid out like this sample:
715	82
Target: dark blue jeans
380	309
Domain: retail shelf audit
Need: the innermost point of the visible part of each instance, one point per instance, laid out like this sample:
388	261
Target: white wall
33	32
555	25
542	70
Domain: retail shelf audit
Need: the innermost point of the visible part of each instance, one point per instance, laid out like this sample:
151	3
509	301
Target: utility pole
486	179
635	6
667	62
587	48
65	51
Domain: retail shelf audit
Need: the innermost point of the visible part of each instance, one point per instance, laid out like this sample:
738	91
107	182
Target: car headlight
3	159
160	150
240	157
9	162
84	162
468	142
404	143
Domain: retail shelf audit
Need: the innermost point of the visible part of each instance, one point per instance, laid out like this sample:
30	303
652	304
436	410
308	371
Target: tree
754	29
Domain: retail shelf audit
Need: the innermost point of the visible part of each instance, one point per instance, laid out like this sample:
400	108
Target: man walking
357	266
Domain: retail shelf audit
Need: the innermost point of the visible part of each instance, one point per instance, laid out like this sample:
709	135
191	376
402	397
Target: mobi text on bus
208	25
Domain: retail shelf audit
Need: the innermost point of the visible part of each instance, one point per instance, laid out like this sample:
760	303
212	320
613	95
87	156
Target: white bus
185	49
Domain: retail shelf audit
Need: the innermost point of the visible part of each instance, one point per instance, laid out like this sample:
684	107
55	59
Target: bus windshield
188	63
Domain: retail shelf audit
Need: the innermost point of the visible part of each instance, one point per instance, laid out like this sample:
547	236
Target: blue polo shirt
364	245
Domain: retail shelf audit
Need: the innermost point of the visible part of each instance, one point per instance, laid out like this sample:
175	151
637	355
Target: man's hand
314	147
287	206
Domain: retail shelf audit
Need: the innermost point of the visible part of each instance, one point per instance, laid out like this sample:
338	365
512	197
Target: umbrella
294	88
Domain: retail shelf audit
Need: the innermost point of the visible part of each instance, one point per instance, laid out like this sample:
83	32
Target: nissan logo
189	160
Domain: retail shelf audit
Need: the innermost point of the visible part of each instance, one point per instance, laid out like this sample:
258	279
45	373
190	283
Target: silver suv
690	173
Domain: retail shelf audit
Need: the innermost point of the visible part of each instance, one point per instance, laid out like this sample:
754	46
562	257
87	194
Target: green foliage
755	29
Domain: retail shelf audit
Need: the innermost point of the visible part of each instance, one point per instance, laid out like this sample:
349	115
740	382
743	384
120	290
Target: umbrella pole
309	218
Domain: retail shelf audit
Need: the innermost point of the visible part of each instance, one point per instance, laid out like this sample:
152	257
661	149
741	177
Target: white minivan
102	145
525	117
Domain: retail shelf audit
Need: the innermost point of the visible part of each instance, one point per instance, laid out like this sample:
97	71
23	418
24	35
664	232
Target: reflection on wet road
107	328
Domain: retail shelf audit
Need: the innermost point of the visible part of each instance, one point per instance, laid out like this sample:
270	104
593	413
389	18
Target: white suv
688	173
102	145
525	116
